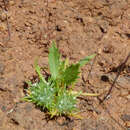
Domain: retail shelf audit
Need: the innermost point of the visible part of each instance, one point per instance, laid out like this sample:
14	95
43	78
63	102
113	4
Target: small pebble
3	27
11	2
1	44
61	120
108	49
90	19
128	96
128	125
124	92
51	1
99	51
82	52
2	16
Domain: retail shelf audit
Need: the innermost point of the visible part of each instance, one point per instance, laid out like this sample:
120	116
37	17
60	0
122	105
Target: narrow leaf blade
54	58
38	70
84	61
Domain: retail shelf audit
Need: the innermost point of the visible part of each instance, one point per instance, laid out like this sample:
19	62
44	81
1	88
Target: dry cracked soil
80	28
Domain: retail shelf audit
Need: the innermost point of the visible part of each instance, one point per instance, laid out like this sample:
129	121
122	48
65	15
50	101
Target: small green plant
56	94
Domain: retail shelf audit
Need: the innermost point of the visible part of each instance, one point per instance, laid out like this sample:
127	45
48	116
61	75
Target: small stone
1	44
108	49
124	92
11	2
99	51
128	125
82	52
51	1
90	19
27	24
103	26
61	120
3	27
2	16
101	63
128	96
34	4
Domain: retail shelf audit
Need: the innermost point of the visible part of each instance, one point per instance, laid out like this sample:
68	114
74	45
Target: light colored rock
3	27
2	16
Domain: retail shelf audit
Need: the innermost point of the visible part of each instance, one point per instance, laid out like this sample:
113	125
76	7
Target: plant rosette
56	94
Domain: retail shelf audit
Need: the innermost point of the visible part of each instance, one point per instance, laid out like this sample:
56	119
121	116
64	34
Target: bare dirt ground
80	28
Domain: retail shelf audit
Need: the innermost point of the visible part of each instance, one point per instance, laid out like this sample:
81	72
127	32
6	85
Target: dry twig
120	68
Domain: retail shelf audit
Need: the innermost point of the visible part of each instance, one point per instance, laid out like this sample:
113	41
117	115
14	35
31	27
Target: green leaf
62	67
38	70
86	60
53	94
66	62
54	58
71	74
42	95
66	102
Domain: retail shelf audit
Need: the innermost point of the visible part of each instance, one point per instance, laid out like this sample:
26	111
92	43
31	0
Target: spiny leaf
42	95
86	60
71	74
66	102
54	58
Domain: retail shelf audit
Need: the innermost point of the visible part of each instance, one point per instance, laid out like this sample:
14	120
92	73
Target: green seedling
56	94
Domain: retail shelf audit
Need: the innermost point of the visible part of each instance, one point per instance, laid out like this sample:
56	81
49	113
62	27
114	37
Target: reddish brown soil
80	28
